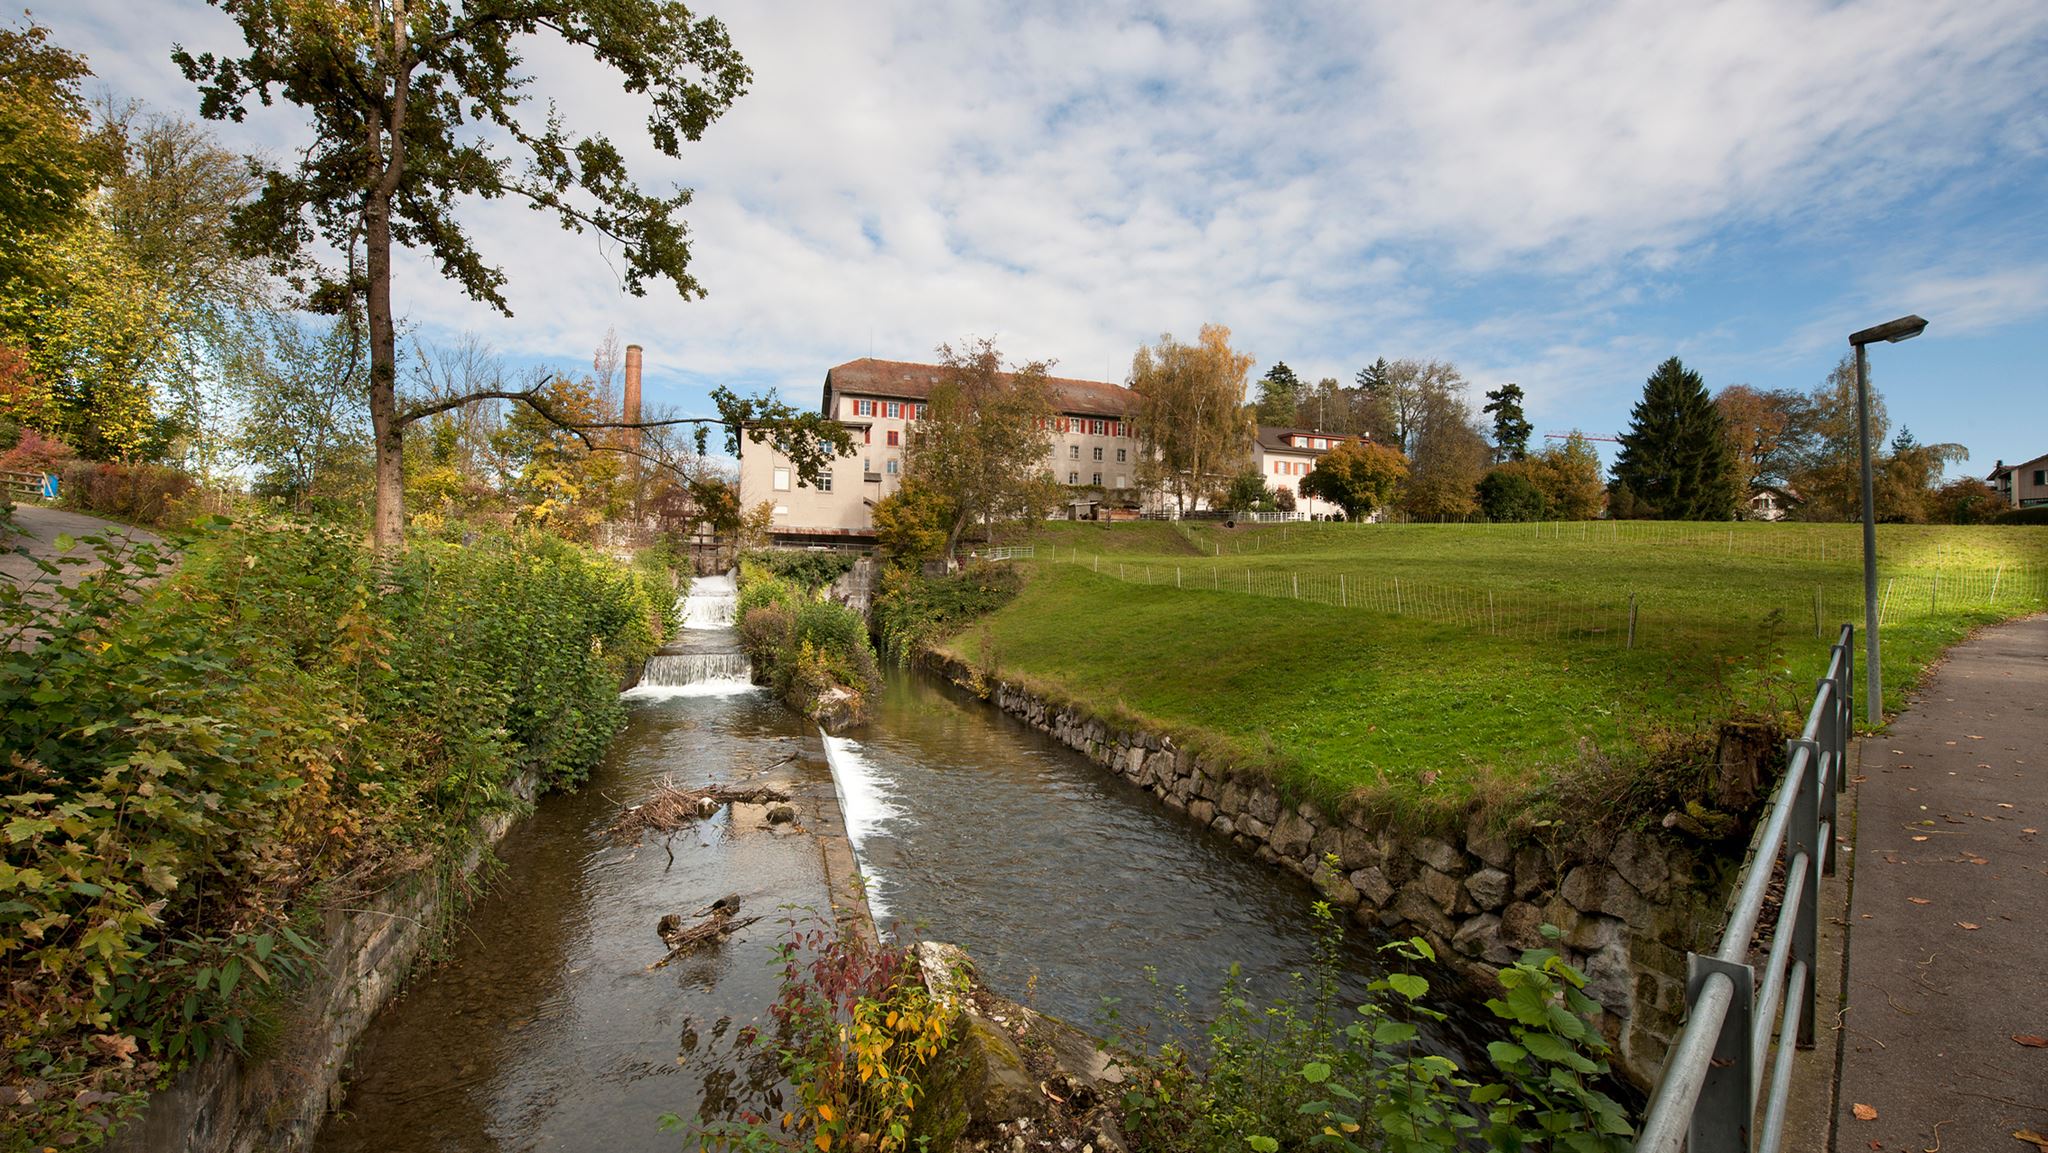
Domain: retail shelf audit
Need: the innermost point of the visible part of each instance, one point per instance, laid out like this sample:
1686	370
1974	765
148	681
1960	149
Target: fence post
1176	576
1343	599
1994	582
1885	605
1725	1110
1397	596
1631	620
1297	584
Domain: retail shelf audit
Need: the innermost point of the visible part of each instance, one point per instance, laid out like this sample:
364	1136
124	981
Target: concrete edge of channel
1813	1107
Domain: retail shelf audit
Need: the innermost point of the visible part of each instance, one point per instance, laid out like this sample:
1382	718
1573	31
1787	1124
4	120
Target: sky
1554	194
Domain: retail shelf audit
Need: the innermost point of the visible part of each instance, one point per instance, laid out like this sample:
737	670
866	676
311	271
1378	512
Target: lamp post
1891	332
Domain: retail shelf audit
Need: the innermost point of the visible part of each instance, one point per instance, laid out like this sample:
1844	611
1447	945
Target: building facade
2023	485
1283	456
1094	448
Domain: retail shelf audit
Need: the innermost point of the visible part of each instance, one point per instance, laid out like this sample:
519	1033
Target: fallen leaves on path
1920	900
2031	1138
1970	925
2031	1041
1864	1112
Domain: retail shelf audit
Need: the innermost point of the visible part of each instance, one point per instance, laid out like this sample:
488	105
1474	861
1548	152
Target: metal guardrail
1017	552
1713	1083
33	484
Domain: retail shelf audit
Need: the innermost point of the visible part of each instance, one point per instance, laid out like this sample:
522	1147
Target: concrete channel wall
277	1099
1629	904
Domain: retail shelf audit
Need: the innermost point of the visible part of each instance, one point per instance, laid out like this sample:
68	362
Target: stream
542	1027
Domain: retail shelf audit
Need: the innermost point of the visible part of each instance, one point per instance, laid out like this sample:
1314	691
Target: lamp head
1891	331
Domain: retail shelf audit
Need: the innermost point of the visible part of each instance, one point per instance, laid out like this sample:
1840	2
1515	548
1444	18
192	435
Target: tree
1510	430
1280	393
49	162
983	440
302	429
1906	479
1325	406
1448	453
1568	475
1373	403
411	105
1193	433
1675	459
1828	472
1247	492
1770	433
915	522
1965	500
1509	492
1358	476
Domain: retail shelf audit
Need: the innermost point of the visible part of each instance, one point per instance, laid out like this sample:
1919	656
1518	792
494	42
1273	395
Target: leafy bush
863	1042
1289	1075
192	759
32	451
809	568
146	494
2037	514
915	611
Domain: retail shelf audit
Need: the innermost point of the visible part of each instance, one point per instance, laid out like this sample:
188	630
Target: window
867	464
1062	423
825	483
895	438
892	466
896	409
2041	476
1101	428
1073	452
781	480
920	412
1073	478
1276	468
1123	482
1116	428
863	408
1097	480
867	435
1120	454
1098	452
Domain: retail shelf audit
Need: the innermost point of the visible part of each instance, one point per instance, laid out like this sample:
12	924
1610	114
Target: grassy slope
1426	708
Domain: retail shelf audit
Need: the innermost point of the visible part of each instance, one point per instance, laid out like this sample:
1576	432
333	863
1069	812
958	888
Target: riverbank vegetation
199	757
1306	1070
1423	668
814	651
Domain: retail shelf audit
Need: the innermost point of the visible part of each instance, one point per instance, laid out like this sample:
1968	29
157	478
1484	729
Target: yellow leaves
825	1111
1864	1112
824	1141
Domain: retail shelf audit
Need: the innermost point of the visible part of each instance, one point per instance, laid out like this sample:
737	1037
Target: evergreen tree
1374	400
1279	395
1675	462
1510	429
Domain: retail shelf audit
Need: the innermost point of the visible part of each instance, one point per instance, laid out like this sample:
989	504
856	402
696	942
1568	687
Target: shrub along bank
815	652
193	760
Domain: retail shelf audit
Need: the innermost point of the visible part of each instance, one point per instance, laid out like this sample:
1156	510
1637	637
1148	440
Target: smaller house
1283	456
2023	485
1772	501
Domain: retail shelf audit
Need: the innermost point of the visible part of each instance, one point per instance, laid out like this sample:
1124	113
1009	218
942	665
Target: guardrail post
1803	836
1724	1112
1829	741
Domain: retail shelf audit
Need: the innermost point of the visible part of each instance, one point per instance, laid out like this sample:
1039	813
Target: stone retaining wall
231	1104
1629	904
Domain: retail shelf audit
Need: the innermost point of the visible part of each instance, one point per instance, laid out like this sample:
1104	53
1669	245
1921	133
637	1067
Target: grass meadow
1419	667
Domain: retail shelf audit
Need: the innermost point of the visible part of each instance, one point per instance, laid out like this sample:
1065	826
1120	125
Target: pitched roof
2004	468
1270	438
902	379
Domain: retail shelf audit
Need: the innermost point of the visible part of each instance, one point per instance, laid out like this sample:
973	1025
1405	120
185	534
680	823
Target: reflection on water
544	1029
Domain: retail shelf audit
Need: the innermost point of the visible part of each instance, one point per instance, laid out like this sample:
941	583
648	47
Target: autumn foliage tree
1193	431
981	445
1360	477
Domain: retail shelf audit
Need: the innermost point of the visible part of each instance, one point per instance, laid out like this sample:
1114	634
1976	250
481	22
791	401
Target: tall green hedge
191	757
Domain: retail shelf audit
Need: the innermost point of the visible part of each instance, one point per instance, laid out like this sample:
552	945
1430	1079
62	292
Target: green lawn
1427	664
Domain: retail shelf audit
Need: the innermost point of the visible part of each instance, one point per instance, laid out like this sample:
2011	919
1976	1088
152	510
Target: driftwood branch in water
717	922
672	807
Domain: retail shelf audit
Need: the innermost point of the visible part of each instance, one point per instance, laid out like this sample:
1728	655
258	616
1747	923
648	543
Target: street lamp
1891	332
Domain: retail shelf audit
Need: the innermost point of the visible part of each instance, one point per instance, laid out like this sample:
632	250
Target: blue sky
1560	195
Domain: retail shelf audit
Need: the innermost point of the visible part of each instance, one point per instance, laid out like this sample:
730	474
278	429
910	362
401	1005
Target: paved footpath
1947	983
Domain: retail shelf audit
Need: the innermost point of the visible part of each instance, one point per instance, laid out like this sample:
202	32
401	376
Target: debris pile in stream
715	922
673	806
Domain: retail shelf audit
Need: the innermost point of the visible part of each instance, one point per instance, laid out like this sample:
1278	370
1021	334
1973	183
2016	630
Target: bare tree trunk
387	524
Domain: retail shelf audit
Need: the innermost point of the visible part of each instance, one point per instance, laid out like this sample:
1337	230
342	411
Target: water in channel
543	1028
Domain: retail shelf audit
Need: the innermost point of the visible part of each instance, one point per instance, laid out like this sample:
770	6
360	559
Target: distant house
1285	455
1772	501
2022	485
1094	449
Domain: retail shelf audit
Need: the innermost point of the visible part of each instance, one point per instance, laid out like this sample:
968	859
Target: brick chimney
632	437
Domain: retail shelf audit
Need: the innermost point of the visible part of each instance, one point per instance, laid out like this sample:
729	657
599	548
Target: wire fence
1621	617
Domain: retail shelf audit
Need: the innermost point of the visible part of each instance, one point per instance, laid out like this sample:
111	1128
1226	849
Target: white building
1283	456
1094	449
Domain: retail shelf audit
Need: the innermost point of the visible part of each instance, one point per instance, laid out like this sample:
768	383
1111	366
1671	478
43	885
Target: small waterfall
710	603
863	803
677	670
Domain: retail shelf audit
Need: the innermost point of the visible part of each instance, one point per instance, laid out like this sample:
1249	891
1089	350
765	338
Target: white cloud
1077	178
